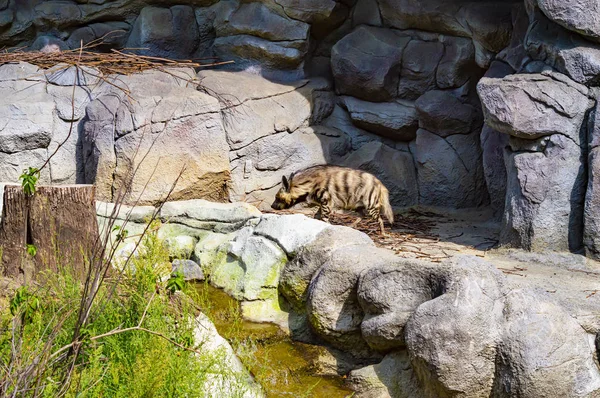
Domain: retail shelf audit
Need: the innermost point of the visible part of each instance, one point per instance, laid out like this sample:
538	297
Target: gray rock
203	210
227	371
165	32
291	232
65	75
389	295
119	135
256	19
419	63
252	269
366	63
274	54
341	121
394	168
366	12
449	170
254	107
211	250
457	65
257	168
333	308
545	196
394	120
488	23
190	269
57	14
493	145
391	378
114	34
47	44
13	164
26	117
557	360
324	16
139	214
443	114
20	71
180	247
323	104
534	105
582	16
452	339
563	50
297	274
98	136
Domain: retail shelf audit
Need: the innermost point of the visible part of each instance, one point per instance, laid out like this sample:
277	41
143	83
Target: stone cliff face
458	103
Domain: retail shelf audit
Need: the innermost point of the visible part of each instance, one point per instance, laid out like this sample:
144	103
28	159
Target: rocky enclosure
401	327
459	104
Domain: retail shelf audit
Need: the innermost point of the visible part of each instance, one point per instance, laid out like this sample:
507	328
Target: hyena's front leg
324	211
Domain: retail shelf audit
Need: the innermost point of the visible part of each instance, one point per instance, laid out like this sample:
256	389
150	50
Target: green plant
29	179
175	282
31	249
25	304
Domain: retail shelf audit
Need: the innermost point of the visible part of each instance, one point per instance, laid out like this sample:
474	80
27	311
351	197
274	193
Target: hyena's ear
285	182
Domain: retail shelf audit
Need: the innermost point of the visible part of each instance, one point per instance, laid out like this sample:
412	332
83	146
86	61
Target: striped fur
330	187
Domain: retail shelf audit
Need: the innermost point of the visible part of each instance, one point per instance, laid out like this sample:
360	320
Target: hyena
331	187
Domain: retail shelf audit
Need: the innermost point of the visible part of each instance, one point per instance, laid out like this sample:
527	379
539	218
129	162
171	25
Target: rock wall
464	104
399	327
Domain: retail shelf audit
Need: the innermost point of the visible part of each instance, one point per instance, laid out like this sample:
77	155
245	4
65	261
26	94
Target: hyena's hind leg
324	200
375	214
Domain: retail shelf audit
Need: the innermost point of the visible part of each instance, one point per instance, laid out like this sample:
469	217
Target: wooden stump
60	221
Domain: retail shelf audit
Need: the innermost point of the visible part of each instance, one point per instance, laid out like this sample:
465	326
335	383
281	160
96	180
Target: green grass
125	364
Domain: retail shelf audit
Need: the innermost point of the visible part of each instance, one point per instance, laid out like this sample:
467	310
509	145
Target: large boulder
124	133
565	51
165	32
419	64
394	168
333	308
449	170
389	295
487	23
443	114
291	232
297	274
340	120
394	120
457	65
581	16
366	63
202	214
534	105
543	351
251	271
273	54
267	130
254	107
256	19
545	194
452	338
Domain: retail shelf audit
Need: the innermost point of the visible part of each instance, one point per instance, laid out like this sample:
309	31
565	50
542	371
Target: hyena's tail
385	205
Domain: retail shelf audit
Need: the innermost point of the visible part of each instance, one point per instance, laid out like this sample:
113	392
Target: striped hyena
336	187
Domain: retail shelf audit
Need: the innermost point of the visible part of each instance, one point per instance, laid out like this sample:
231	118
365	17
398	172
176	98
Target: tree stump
60	221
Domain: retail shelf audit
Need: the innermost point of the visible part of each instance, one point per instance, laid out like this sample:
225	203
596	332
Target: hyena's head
283	198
